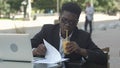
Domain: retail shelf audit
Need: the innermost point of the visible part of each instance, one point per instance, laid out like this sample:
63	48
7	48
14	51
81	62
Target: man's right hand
40	50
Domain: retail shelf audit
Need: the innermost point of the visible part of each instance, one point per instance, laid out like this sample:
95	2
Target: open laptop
16	49
16	52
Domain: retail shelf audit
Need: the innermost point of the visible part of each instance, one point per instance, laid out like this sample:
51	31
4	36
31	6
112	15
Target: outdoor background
28	16
29	8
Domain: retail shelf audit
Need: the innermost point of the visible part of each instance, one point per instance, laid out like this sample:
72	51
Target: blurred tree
14	5
105	6
4	8
118	4
100	5
47	5
44	4
1	7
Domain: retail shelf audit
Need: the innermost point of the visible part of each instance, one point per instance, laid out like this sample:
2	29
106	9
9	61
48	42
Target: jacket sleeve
38	38
95	54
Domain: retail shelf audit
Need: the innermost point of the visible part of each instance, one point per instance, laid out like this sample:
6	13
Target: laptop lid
15	47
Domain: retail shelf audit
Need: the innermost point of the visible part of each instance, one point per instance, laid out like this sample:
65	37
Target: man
89	16
80	47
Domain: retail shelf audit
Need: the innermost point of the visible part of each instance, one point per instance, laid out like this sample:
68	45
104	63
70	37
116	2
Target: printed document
52	55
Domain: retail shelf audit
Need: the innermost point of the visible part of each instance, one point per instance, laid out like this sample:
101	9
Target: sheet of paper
52	55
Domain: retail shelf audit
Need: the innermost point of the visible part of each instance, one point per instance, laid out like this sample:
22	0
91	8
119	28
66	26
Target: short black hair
72	7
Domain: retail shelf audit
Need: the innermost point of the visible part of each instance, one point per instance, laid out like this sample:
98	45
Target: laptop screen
15	47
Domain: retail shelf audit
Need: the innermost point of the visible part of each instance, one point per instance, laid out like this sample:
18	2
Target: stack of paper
52	56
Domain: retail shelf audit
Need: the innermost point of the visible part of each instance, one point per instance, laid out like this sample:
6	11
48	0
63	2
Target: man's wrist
83	52
34	51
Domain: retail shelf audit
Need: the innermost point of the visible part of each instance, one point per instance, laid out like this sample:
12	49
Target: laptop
16	52
16	49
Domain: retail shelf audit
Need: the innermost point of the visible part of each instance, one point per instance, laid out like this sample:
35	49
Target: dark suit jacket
51	34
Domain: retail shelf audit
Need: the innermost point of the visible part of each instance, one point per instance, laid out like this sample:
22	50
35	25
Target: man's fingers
41	49
72	47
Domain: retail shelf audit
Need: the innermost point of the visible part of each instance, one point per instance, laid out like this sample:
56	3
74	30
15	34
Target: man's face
68	21
88	4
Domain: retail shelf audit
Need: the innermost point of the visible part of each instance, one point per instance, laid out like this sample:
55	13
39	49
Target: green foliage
4	8
14	4
42	5
104	5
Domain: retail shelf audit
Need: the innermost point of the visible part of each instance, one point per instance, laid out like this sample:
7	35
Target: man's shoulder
82	32
50	26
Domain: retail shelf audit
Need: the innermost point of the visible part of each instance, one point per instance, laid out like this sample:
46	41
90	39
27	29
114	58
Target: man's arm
37	43
95	54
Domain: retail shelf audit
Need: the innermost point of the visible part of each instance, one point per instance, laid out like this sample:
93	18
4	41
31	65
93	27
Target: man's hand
74	47
40	50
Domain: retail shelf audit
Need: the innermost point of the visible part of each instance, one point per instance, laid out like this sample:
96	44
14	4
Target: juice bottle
64	46
65	41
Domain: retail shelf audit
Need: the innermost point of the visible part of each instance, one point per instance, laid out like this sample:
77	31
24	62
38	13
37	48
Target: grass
20	19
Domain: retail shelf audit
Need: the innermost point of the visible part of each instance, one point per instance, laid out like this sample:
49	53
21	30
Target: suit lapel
56	38
73	37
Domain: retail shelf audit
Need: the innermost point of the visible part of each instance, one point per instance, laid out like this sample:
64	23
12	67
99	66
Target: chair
106	51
